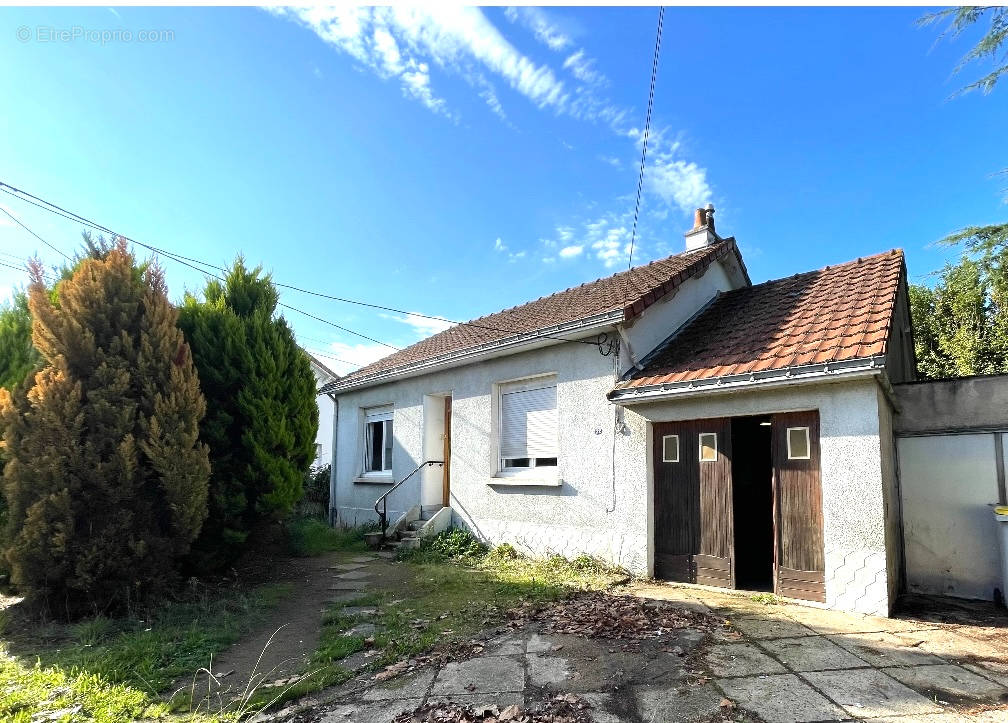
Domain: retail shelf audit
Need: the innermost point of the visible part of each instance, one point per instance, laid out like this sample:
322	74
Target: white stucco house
674	419
324	438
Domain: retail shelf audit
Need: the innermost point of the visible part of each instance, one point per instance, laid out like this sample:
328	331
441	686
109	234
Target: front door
446	480
694	523
800	569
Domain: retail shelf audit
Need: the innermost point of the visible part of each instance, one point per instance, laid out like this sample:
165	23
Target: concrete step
416	525
427	513
408	534
409	543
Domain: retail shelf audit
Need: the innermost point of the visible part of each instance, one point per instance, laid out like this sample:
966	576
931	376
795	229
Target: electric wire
647	134
601	341
16	220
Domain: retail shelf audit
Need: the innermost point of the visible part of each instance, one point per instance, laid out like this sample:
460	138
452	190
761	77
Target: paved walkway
784	663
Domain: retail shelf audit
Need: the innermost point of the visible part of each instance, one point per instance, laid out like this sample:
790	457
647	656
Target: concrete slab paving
781	699
505	645
949	682
601	707
491	674
362	558
728	660
550	672
345	596
831	622
675	704
884	649
362	712
994	669
946	644
761	627
501	700
544	643
358	610
414	685
870	693
811	653
362	630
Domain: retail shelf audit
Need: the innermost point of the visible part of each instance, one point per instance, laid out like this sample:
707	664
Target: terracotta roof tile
834	314
630	291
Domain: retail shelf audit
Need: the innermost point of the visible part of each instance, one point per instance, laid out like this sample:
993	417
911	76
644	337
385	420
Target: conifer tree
262	415
105	480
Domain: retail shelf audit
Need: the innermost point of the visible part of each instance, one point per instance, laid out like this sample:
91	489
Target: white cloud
360	354
583	68
421	325
403	42
544	29
612	161
564	233
499	245
569	252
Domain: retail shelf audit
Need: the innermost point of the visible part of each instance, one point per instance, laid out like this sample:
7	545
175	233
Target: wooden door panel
800	559
676	505
693	509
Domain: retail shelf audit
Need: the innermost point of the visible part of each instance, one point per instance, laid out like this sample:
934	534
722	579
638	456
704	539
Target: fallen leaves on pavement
564	708
616	617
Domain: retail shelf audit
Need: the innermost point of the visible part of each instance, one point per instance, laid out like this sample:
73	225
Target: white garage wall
947	483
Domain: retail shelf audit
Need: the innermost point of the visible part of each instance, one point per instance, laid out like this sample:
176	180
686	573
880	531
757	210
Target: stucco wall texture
852	475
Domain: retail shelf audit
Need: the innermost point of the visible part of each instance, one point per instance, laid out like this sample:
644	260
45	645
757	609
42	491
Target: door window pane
708	447
798	443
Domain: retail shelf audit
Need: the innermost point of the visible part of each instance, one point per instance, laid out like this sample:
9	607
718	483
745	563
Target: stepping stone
387	554
361	631
347	585
345	597
354	575
359	610
344	567
362	558
480	676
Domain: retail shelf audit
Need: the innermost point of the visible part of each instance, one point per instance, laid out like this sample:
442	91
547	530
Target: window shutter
529	423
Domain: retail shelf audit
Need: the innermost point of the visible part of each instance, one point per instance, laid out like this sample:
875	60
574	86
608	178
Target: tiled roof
631	292
835	314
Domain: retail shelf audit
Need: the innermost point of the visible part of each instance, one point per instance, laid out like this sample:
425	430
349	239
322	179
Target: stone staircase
408	535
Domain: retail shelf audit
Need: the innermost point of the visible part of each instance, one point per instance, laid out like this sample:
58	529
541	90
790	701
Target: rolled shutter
529	423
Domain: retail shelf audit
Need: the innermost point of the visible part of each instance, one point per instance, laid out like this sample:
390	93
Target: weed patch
310	537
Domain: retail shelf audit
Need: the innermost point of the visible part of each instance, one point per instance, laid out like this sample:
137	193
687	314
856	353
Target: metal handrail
383	500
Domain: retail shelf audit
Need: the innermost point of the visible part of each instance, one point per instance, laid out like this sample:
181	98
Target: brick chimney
702	234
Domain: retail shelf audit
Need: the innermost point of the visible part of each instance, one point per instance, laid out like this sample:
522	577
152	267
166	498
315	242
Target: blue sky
459	161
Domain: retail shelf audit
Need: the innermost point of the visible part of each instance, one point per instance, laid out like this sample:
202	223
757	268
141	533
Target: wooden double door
695	511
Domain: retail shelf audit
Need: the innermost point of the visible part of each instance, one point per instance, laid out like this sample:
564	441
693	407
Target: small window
670	448
708	447
318	450
798	443
378	441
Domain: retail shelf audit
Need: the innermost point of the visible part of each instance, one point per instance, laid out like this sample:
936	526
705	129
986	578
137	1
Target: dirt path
280	646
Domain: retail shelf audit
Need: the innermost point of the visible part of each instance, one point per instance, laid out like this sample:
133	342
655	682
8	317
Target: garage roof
837	314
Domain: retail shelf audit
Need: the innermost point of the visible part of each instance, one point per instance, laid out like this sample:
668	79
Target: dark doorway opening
752	502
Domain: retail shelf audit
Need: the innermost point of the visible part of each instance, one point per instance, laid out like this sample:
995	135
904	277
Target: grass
311	537
453	588
115	670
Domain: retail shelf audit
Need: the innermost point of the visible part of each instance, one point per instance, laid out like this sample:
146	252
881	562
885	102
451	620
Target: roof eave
807	373
502	347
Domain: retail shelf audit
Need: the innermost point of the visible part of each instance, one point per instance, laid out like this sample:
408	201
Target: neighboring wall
948	443
591	512
324	438
853	473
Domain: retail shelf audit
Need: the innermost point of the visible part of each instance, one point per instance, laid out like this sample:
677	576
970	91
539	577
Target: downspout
332	463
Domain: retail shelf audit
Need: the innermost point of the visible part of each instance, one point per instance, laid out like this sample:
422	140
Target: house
323	440
674	419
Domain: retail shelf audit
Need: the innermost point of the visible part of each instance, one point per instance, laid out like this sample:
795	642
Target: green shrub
262	414
104	478
503	551
454	544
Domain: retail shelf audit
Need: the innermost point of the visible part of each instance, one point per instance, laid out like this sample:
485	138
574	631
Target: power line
178	258
647	133
188	261
16	220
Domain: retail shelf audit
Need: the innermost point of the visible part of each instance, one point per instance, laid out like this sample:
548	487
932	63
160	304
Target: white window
378	441
670	448
528	425
798	446
708	447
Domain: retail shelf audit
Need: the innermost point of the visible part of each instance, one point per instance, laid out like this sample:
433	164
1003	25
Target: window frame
384	415
700	445
534	469
665	457
808	443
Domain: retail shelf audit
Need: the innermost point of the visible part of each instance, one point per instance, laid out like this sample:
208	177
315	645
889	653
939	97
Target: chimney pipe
702	234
